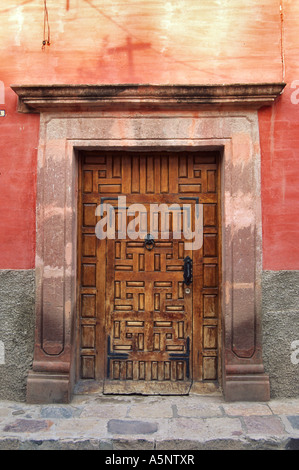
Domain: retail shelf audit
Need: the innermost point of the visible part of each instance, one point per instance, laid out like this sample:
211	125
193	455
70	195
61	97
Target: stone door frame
135	118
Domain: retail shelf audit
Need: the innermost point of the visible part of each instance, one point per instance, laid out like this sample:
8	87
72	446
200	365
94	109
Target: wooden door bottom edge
157	387
118	387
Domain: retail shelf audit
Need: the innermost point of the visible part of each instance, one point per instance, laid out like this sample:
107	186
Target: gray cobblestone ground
150	422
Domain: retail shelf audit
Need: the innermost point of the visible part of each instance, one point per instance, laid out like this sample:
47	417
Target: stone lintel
41	98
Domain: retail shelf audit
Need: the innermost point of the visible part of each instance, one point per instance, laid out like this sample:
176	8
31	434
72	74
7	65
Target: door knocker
149	242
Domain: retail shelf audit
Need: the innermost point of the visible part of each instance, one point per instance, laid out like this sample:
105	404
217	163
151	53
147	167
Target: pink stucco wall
174	41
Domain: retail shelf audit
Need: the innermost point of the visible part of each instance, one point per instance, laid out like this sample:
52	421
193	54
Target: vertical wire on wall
46	39
282	40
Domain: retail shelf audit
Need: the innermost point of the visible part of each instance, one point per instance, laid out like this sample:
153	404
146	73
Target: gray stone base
280	329
17	318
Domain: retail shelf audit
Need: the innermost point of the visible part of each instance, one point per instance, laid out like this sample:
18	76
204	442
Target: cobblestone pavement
113	422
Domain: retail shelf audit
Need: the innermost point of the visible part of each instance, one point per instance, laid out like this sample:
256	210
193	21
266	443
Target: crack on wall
281	11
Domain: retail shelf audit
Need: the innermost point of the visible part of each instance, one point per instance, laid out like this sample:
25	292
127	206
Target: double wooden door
145	327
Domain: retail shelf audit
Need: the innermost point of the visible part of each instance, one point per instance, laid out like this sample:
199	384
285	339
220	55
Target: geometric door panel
140	324
149	317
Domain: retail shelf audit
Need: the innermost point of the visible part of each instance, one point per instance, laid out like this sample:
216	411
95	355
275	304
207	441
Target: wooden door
142	329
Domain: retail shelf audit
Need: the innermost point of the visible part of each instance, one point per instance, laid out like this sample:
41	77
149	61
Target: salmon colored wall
279	135
141	41
18	151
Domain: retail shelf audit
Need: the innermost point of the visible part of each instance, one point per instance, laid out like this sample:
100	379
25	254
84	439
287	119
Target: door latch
187	270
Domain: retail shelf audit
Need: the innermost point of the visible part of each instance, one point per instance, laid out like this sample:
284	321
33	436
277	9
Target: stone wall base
17	318
280	329
48	388
247	388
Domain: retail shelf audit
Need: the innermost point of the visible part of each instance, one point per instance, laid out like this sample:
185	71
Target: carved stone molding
225	119
38	98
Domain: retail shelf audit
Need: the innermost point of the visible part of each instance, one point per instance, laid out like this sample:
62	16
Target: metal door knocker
149	242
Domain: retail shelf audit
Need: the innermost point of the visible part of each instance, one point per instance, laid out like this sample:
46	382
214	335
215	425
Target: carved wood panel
137	321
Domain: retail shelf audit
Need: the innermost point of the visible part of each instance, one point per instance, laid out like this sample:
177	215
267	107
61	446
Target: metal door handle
187	270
